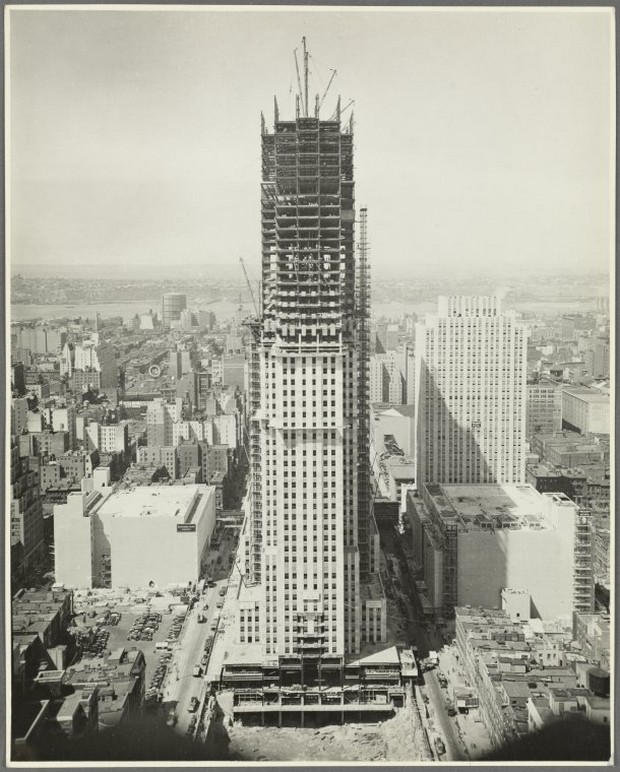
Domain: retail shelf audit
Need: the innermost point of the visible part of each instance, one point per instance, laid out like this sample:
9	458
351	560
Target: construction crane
326	90
303	93
247	279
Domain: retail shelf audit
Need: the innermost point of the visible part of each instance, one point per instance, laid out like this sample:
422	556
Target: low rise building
108	436
523	675
585	410
119	680
551	479
19	415
160	458
47	443
520	539
133	536
215	458
78	463
49	475
189	456
592	633
46	614
569	449
544	407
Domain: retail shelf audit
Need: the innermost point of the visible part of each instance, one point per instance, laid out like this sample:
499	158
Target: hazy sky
481	137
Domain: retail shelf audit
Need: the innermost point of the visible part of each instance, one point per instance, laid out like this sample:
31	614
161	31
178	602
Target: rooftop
490	505
174	501
400	467
588	395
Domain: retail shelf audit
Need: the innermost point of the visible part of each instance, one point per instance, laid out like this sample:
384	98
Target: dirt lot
396	739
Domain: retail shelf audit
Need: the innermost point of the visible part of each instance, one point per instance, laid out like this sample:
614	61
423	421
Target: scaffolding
314	300
364	497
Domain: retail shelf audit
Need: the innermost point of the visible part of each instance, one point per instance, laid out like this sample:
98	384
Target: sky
483	139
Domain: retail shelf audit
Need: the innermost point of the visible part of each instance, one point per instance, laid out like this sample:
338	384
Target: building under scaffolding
369	688
309	543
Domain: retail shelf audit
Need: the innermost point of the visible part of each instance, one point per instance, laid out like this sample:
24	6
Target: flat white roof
494	499
152	501
588	395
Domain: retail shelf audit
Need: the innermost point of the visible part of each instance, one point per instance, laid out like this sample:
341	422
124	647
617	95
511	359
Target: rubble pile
399	738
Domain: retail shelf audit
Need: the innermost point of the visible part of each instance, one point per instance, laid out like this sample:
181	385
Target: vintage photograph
310	336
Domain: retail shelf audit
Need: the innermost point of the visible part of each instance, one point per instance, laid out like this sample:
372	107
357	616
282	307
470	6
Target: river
223	310
227	309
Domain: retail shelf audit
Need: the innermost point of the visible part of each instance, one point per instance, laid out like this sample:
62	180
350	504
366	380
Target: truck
197	672
193	705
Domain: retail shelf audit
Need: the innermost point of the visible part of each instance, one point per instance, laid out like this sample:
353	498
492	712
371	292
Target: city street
419	632
182	684
439	716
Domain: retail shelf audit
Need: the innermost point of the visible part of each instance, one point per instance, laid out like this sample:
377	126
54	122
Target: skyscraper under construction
310	546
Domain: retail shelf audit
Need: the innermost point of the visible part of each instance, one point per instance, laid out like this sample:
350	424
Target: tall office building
470	403
309	549
172	303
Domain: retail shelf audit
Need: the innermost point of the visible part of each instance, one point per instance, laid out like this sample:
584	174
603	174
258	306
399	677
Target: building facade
161	418
308	542
471	367
473	541
26	515
586	410
544	407
172	303
130	537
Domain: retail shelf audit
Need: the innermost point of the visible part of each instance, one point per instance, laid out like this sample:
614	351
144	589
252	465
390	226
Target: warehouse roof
174	501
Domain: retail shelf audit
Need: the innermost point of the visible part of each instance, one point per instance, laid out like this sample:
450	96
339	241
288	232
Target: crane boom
301	93
327	89
303	40
247	279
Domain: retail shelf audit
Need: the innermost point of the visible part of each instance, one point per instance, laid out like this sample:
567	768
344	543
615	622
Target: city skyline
129	116
360	509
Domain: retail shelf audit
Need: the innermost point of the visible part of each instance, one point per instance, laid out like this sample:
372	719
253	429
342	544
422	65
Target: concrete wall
146	549
149	549
205	520
73	542
584	415
540	562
